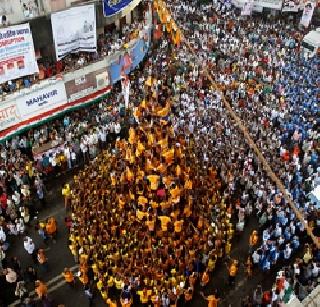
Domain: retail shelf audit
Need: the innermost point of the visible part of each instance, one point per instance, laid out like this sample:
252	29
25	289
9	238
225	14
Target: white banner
247	8
291	5
74	30
307	13
273	4
17	57
9	115
45	99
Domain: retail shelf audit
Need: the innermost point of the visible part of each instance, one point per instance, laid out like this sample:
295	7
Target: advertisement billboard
17	57
272	4
86	84
291	5
42	100
111	7
74	30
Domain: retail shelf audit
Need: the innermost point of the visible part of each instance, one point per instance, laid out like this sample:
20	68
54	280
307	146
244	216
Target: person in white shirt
28	245
117	129
67	155
84	149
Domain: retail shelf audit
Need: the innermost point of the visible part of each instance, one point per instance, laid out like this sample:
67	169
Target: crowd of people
273	86
155	213
136	188
107	45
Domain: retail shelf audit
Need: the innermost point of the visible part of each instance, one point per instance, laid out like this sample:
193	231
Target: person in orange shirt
84	278
68	277
51	227
249	266
42	259
212	300
233	270
205	278
112	303
41	289
253	240
150	224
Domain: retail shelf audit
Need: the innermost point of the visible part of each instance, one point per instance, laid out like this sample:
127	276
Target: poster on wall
111	7
307	13
291	5
42	100
74	30
17	57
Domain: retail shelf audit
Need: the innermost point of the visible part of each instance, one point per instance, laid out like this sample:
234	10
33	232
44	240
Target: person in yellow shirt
175	193
165	220
144	295
154	181
169	155
150	224
178	226
132	135
66	192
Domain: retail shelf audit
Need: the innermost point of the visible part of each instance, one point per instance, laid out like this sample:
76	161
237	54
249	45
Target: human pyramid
144	212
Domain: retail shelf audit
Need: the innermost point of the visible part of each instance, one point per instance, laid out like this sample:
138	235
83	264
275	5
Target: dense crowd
154	214
274	87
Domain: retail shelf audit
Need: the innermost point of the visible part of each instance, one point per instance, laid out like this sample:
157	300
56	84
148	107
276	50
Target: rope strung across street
288	197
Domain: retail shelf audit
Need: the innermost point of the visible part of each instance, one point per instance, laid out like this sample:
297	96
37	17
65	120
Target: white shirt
29	246
117	128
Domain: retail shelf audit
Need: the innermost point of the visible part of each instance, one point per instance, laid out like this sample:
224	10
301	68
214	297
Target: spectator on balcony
26	82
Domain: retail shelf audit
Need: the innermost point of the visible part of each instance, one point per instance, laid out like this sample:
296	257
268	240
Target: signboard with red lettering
17	56
9	115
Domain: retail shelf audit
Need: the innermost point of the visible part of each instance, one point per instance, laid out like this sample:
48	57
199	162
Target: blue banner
111	7
136	54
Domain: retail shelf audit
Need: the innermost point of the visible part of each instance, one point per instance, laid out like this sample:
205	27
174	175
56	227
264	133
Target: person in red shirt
59	67
3	200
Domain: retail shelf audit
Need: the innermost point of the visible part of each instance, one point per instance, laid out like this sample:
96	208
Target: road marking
50	282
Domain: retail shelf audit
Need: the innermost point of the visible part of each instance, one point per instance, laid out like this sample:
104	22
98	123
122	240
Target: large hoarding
74	30
17	57
42	100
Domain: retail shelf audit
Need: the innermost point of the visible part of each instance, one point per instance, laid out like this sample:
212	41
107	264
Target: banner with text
111	7
307	13
74	30
17	57
43	100
9	115
291	5
272	4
